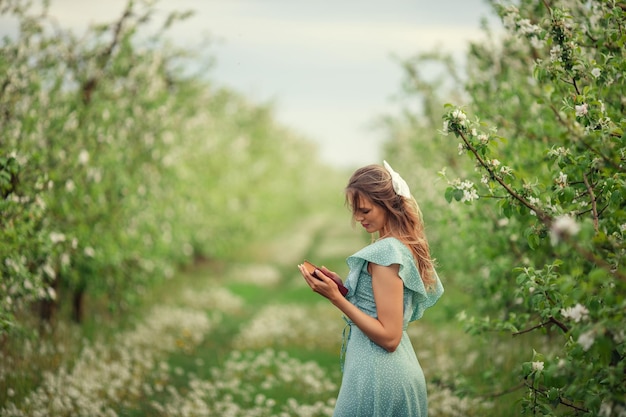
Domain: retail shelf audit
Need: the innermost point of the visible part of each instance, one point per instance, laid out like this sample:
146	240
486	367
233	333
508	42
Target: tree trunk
48	308
78	298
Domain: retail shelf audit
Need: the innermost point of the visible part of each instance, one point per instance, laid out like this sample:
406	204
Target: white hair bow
399	185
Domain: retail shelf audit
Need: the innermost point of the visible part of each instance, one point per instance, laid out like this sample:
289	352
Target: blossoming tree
548	143
119	163
540	232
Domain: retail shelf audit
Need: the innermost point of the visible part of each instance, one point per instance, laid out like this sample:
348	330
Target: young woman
391	282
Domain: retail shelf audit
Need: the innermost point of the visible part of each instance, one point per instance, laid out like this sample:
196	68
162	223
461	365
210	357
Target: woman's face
371	216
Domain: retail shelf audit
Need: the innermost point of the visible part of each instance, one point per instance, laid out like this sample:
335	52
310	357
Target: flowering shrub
282	326
540	235
116	166
560	131
109	375
244	384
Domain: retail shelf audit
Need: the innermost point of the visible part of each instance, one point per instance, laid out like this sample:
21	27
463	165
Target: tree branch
540	213
117	32
90	84
564	123
594	206
551	320
562	401
504	392
575	86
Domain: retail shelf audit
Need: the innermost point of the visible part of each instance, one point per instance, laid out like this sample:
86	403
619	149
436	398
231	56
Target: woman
391	282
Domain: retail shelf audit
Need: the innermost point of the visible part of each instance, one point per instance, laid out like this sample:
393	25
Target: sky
327	67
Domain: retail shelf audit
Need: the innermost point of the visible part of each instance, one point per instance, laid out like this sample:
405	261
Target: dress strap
345	337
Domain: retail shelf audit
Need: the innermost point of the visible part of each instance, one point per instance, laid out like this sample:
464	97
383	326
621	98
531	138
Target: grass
270	346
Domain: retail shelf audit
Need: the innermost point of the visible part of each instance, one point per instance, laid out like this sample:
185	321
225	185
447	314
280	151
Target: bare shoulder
383	270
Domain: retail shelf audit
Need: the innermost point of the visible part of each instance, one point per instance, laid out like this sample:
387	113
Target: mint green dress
376	382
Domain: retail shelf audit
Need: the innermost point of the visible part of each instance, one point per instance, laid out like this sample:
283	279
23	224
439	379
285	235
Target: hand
321	283
331	274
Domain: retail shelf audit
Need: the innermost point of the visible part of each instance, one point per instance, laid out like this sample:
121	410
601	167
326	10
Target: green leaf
533	240
458	194
449	194
507	209
521	278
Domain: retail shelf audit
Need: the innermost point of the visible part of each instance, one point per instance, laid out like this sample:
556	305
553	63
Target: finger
327	271
307	276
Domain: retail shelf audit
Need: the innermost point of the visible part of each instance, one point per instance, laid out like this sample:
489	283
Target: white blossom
527	28
49	270
576	313
469	195
70	186
563	226
89	251
95	175
469	191
586	340
537	366
560	151
83	157
605	409
509	21
52	293
561	181
555	53
445	127
596	72
505	170
581	109
459	116
536	42
57	237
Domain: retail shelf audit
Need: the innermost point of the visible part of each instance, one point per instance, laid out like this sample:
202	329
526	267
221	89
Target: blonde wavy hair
404	218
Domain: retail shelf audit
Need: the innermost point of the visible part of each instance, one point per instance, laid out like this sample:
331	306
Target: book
312	268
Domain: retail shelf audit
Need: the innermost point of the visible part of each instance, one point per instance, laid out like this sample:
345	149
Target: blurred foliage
538	239
118	165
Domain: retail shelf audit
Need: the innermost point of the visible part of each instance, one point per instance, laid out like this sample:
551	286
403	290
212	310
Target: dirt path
326	235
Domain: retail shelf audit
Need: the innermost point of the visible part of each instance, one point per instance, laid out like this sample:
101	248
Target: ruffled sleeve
391	251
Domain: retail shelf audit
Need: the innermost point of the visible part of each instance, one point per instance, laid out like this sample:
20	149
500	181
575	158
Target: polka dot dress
378	383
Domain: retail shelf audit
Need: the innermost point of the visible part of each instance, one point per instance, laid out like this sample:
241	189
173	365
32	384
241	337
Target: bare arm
386	330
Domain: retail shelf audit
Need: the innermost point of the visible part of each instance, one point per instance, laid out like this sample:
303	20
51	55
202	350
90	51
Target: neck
383	234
